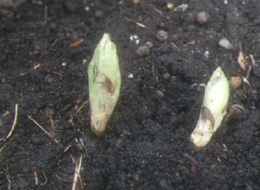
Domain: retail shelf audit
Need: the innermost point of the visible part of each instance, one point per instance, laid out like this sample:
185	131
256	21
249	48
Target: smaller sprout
213	108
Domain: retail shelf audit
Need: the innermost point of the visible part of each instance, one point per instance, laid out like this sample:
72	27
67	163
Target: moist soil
146	144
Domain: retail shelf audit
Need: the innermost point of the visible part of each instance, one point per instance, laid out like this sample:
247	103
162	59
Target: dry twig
76	44
155	9
137	23
82	106
46	132
77	173
8	178
36	179
14	122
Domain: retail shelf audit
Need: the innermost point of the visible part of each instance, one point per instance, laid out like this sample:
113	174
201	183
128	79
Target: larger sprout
213	108
104	83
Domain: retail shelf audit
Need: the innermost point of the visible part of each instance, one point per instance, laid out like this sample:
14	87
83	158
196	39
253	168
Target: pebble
149	44
163	183
130	76
166	75
99	14
53	25
143	51
134	38
236	82
224	42
160	93
203	17
162	35
170	5
136	2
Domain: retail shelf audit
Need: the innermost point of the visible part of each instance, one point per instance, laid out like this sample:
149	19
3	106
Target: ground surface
146	145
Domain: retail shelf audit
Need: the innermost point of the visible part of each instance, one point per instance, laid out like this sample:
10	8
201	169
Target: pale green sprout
213	108
104	84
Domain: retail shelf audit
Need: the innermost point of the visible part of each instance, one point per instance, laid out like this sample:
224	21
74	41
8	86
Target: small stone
53	25
236	82
224	42
99	14
130	76
163	183
203	17
149	44
143	51
160	93
166	75
162	35
170	5
136	2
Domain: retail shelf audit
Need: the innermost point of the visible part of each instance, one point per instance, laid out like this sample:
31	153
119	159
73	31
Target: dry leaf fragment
241	60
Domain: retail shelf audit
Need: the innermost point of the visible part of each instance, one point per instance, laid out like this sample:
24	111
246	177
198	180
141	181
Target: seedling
213	108
104	84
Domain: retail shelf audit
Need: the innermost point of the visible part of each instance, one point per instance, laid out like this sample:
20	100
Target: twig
2	148
156	10
245	80
137	23
36	179
77	111
252	59
45	13
153	71
248	72
77	173
46	179
76	44
14	122
173	45
8	178
46	132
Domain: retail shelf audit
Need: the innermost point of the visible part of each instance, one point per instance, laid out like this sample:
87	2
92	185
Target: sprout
104	84
213	108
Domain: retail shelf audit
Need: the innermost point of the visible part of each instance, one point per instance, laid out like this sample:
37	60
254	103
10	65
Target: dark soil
146	145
